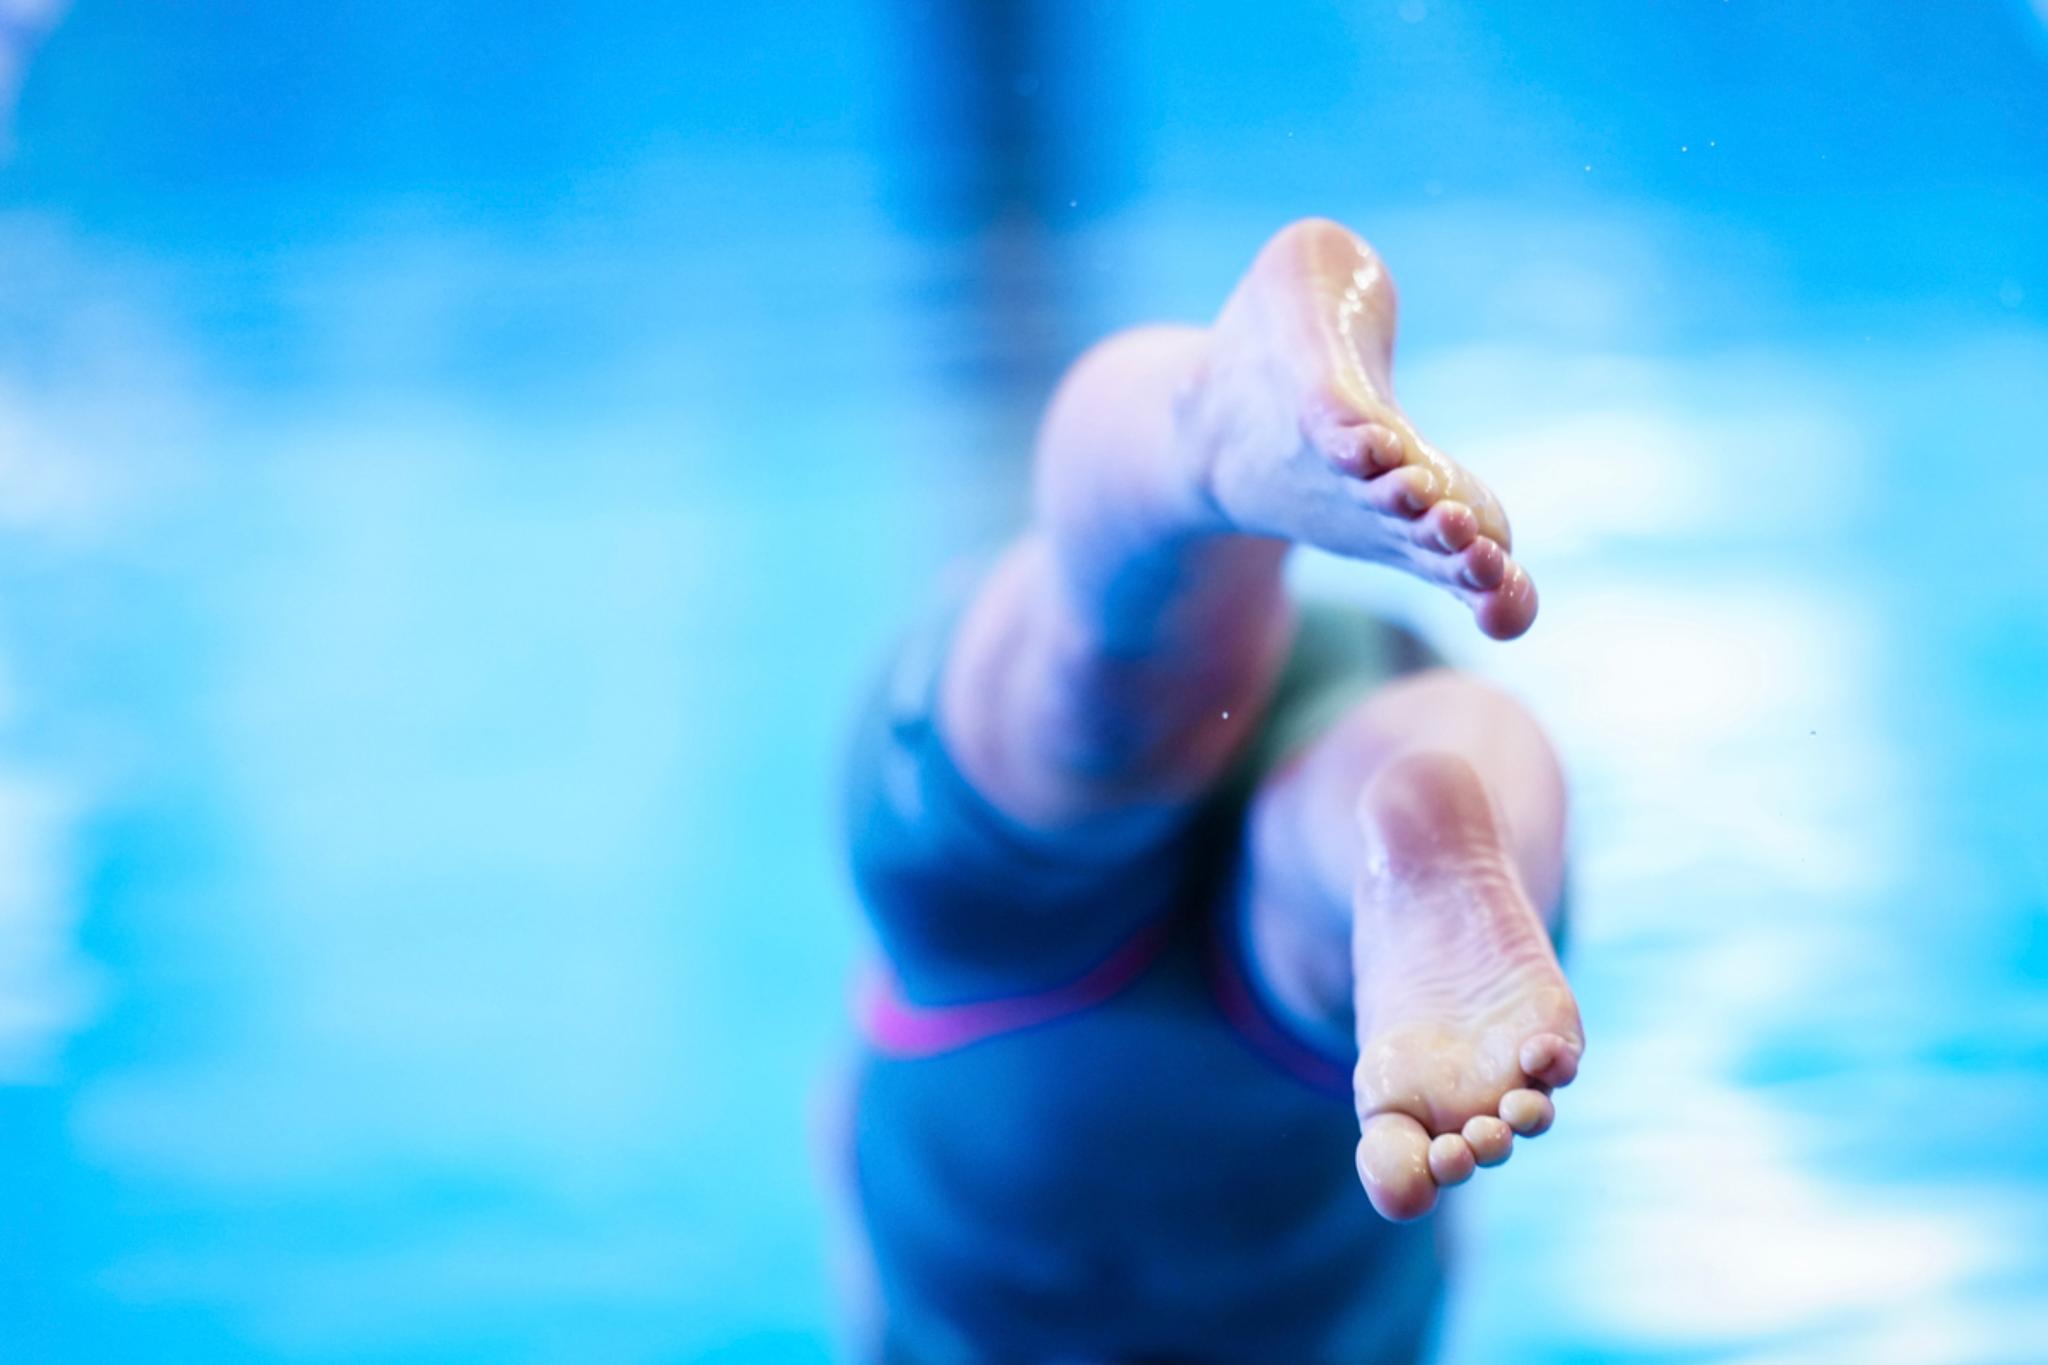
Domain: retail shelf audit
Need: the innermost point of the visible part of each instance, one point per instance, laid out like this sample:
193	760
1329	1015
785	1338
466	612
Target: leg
1404	875
1112	662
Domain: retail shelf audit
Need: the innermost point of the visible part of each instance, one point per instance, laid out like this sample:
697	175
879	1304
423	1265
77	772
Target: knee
1436	710
1451	694
1436	729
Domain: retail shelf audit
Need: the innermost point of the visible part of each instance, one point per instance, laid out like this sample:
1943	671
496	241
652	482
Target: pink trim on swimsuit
898	1028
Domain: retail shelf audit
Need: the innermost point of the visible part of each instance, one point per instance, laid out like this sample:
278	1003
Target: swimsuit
1080	1129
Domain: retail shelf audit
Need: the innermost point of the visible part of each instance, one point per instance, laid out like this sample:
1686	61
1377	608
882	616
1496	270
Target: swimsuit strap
898	1028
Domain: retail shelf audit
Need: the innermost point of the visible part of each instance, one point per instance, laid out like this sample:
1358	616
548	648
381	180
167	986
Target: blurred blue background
458	461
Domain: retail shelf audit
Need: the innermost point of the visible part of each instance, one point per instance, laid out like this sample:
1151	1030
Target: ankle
1114	454
1188	455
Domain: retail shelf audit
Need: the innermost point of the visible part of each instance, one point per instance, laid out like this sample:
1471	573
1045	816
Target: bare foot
1293	432
1465	1023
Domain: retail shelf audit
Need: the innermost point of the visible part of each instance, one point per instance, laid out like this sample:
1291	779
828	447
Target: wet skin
1402	873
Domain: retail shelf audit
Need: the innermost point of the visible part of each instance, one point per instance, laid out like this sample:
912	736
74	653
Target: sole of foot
1465	1022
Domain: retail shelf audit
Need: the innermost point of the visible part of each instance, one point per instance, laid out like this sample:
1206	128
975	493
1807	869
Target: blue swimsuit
1081	1131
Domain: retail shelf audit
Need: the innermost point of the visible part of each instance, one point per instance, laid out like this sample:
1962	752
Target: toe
1448	527
1493	519
1393	1163
1489	1139
1362	450
1404	492
1482	565
1551	1058
1528	1112
1510	609
1380	449
1450	1160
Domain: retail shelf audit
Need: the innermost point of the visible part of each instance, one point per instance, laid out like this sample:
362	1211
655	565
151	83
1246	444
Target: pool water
439	545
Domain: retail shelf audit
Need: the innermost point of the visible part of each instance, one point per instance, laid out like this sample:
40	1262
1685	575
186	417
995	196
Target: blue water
457	462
